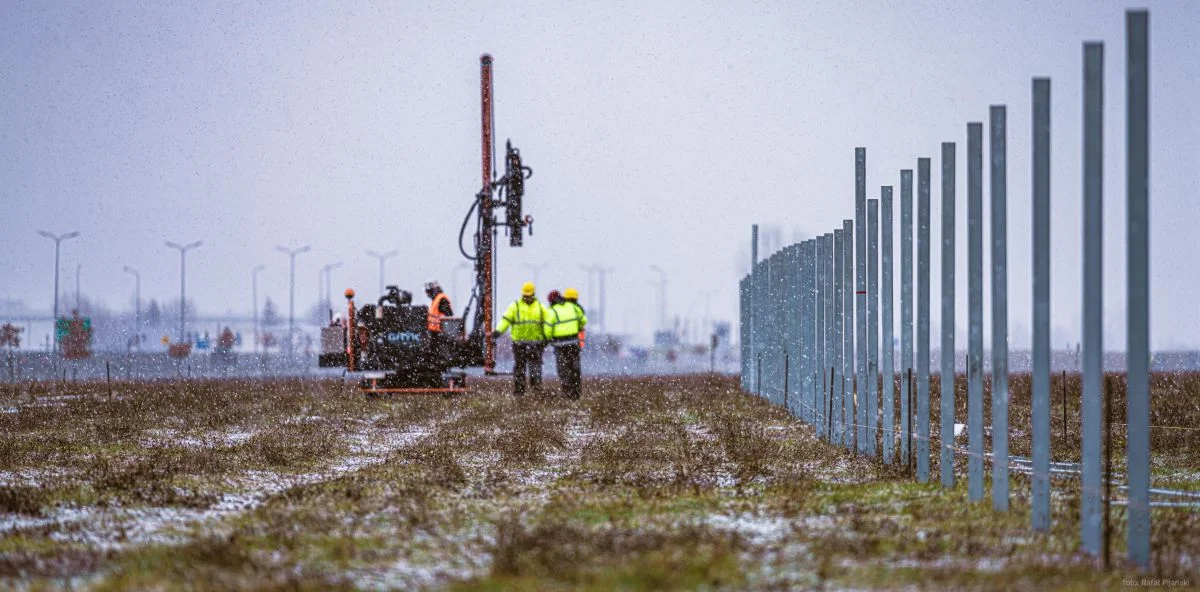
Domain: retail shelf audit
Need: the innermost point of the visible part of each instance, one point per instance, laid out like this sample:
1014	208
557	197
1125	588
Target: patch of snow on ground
32	477
757	529
114	528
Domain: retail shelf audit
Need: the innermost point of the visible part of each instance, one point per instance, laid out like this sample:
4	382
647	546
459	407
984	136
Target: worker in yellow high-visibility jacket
526	317
572	295
564	321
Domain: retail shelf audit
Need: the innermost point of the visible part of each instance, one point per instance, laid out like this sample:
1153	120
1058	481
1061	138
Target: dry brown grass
570	554
1175	403
618	490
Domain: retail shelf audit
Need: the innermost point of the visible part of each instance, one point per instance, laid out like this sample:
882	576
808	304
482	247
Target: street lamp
58	239
382	257
535	270
328	278
137	305
78	271
662	296
183	249
601	310
454	278
254	296
292	295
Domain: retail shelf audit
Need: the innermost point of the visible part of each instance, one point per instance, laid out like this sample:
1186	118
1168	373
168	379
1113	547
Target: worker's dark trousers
527	358
566	359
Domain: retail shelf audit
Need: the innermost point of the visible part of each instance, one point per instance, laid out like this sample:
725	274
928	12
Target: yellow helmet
527	289
571	294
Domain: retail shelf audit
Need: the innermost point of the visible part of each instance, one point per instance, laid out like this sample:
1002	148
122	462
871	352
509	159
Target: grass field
644	484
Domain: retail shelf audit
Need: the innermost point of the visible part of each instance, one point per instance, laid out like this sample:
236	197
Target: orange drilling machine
390	343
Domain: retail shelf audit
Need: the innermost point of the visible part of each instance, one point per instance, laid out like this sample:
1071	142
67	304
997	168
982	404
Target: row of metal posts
811	312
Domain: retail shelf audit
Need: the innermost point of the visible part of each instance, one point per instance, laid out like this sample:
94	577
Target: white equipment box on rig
390	344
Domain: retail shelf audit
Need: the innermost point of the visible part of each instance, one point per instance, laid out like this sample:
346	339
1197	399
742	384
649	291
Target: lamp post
662	295
535	270
601	298
137	306
328	277
58	239
382	257
183	249
602	312
291	253
454	280
78	271
708	322
254	297
590	269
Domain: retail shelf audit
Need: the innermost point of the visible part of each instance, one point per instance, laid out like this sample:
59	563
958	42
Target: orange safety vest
433	319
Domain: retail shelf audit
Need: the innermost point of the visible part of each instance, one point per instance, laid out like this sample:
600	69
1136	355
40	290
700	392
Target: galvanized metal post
832	343
906	306
804	327
809	329
888	341
923	306
818	267
796	338
1091	504
819	328
779	301
778	325
762	326
754	301
872	387
758	337
753	245
848	406
831	339
744	331
947	347
997	153
1041	305
799	321
813	334
839	344
801	339
860	293
787	325
975	309
1137	185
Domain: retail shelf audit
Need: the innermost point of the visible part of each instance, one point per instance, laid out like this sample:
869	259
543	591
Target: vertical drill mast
485	274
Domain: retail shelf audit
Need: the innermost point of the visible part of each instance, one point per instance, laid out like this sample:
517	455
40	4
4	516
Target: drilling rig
389	343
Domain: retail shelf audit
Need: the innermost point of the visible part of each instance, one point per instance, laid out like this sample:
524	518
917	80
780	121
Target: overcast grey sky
658	132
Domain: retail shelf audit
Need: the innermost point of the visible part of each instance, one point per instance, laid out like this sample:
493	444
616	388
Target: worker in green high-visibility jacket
564	321
525	317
